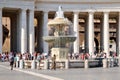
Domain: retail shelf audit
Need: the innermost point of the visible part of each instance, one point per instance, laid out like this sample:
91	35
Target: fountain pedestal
61	53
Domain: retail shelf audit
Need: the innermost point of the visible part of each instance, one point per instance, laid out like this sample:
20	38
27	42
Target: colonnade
25	31
89	31
26	36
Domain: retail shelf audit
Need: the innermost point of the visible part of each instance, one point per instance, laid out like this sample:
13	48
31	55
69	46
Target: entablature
78	1
27	4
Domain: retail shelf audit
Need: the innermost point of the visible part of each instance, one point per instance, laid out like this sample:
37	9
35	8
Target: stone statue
59	13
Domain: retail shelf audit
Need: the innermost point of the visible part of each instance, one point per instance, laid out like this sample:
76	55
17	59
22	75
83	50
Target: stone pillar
17	64
13	34
23	32
33	64
45	31
76	32
1	34
67	64
21	64
118	36
86	64
101	34
31	35
104	61
105	32
18	32
46	66
39	34
86	35
90	34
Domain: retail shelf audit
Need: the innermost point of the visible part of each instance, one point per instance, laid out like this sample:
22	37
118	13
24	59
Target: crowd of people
12	57
41	56
25	56
84	56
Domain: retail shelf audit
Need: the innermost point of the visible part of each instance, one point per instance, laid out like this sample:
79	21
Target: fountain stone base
61	53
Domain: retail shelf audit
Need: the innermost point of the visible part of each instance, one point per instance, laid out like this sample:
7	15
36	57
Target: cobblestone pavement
7	74
63	74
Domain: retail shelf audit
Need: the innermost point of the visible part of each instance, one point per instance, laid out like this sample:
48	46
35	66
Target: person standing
11	61
38	60
54	62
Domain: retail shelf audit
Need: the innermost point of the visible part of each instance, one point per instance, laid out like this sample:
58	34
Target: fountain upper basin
59	38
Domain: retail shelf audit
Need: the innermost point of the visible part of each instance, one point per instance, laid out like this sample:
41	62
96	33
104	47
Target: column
31	35
86	35
90	33
1	34
105	32
23	32
14	32
76	32
101	34
39	34
118	36
45	31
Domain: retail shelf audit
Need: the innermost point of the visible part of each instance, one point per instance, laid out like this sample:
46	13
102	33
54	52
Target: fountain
60	38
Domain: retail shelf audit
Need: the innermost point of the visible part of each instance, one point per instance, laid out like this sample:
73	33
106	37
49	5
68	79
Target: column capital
46	11
106	12
31	11
76	12
23	10
91	12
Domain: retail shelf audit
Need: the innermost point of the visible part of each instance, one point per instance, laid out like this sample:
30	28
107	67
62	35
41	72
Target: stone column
101	35
90	33
13	34
1	34
118	36
45	31
76	32
23	32
31	35
105	32
39	34
86	35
